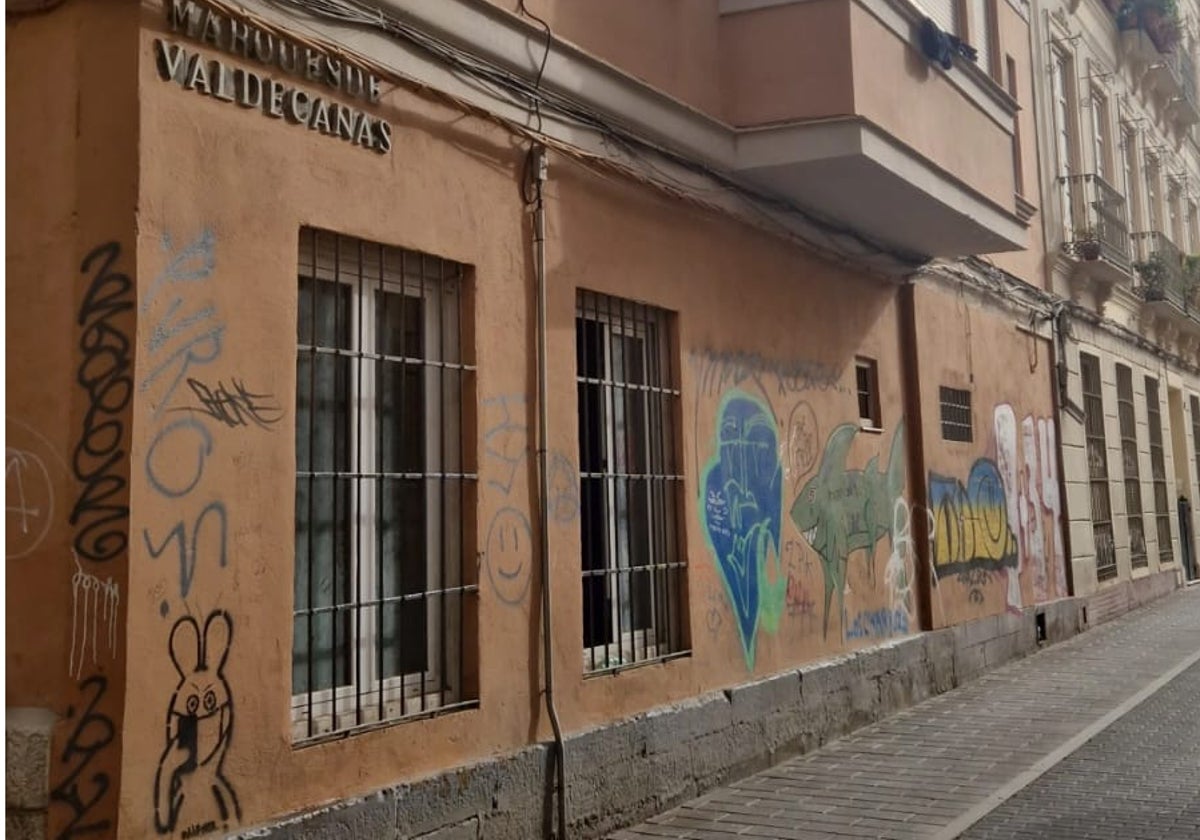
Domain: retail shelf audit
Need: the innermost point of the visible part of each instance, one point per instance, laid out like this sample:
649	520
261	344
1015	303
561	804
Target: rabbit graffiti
190	783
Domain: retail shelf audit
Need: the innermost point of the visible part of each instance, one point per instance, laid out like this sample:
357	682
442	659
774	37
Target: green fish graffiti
841	510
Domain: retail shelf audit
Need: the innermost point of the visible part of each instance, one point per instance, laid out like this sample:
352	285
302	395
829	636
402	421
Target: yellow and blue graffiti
971	523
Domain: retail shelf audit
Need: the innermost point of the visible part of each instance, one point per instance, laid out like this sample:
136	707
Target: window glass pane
321	638
402	510
631	573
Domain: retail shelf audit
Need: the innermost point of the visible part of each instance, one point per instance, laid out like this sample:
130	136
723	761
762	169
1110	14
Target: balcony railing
1096	215
1187	108
1159	269
1185	68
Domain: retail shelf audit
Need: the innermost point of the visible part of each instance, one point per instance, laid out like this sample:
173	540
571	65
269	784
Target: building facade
1117	109
506	419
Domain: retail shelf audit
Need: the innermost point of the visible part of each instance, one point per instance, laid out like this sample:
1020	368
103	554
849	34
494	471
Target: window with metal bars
383	595
1097	457
1158	471
1129	459
866	374
957	423
1194	401
633	559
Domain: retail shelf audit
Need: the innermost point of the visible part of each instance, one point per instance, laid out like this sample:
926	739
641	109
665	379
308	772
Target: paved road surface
1058	745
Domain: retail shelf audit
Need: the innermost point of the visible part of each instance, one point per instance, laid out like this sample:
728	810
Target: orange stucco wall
669	44
72	176
787	63
921	107
203	201
995	510
223	194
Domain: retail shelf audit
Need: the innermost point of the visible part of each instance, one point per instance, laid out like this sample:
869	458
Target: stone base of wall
1119	598
624	772
26	772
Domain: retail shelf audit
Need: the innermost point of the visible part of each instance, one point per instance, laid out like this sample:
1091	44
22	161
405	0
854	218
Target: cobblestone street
1095	737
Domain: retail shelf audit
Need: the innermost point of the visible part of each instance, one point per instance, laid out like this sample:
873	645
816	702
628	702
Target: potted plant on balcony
1086	243
1153	271
1160	20
1191	278
1125	12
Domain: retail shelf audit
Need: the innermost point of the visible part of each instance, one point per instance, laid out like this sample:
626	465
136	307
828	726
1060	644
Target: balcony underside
850	171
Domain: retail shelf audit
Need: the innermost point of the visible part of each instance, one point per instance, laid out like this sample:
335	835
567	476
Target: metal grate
1158	470
1195	405
1129	458
382	593
866	374
634	564
956	414
1097	456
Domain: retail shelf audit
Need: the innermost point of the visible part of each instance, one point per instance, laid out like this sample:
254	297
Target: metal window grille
633	559
956	414
866	373
383	595
1129	458
1097	456
1195	404
1158	470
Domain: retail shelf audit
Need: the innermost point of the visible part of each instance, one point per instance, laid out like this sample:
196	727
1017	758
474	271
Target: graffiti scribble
94	604
234	405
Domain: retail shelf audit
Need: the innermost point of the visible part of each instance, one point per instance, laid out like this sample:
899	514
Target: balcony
1184	105
834	101
1160	274
1096	235
1148	31
1097	222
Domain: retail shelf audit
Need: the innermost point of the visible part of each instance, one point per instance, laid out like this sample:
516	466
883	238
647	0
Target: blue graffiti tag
740	507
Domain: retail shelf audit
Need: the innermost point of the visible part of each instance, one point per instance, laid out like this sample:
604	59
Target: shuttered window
980	35
944	14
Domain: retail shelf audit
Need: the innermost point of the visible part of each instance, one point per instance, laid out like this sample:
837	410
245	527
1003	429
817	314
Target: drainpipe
1058	344
915	430
539	250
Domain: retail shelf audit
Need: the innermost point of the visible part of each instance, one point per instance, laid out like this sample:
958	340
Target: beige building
507	419
1117	110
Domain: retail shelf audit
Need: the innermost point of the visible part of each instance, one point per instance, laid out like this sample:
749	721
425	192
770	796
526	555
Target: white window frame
1063	96
653	642
408	694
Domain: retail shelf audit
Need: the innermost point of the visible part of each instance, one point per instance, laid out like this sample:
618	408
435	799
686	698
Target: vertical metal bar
618	444
425	476
357	591
657	486
607	496
587	464
381	482
646	483
442	598
312	467
402	547
459	667
336	612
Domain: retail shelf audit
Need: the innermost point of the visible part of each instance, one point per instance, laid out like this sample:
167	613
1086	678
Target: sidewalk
935	769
